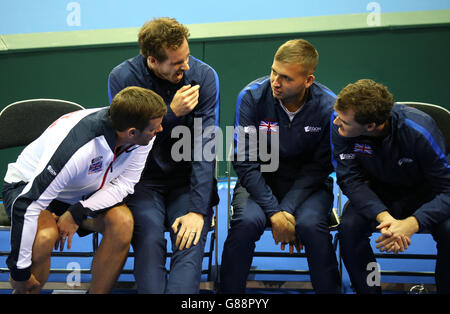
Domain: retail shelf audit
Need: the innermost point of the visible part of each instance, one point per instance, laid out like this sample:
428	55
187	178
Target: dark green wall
77	74
413	62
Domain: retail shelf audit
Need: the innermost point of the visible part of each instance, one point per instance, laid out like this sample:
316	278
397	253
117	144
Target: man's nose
185	66
336	121
276	81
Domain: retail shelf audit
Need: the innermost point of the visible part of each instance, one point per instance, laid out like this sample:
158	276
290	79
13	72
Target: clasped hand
396	234
283	231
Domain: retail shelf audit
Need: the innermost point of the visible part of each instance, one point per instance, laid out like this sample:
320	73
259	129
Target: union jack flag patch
268	126
96	165
364	149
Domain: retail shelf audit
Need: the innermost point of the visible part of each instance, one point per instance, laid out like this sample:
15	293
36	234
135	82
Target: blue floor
421	244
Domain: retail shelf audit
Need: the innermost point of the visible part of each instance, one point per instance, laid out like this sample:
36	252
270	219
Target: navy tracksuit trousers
154	211
248	224
356	228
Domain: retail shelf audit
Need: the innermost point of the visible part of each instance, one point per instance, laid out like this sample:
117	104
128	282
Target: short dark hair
134	107
369	100
159	34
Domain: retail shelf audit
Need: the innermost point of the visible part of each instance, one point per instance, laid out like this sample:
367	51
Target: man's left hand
67	228
188	229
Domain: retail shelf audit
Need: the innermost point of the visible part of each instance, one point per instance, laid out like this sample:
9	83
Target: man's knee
250	221
119	223
43	244
311	225
354	226
347	224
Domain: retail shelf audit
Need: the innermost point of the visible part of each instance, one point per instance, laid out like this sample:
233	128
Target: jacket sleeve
430	148
351	179
202	183
114	191
311	175
115	85
245	161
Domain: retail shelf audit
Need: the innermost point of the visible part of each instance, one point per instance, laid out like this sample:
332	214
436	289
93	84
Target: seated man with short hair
392	167
84	164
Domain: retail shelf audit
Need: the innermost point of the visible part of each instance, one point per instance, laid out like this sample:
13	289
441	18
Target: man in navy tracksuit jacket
391	164
172	193
295	198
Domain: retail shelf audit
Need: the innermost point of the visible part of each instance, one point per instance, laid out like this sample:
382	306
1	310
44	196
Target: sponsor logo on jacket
313	129
347	156
403	161
51	170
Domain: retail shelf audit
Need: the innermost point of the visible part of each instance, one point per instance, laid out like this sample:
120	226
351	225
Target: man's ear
151	61
131	132
310	80
370	127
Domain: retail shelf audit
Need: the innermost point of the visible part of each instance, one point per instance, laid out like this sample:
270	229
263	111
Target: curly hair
159	34
369	100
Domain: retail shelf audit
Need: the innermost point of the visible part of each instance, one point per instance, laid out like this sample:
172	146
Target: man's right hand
24	287
283	227
185	100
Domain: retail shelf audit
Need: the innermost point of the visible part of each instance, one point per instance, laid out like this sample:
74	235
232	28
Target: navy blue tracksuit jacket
409	161
161	168
304	144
